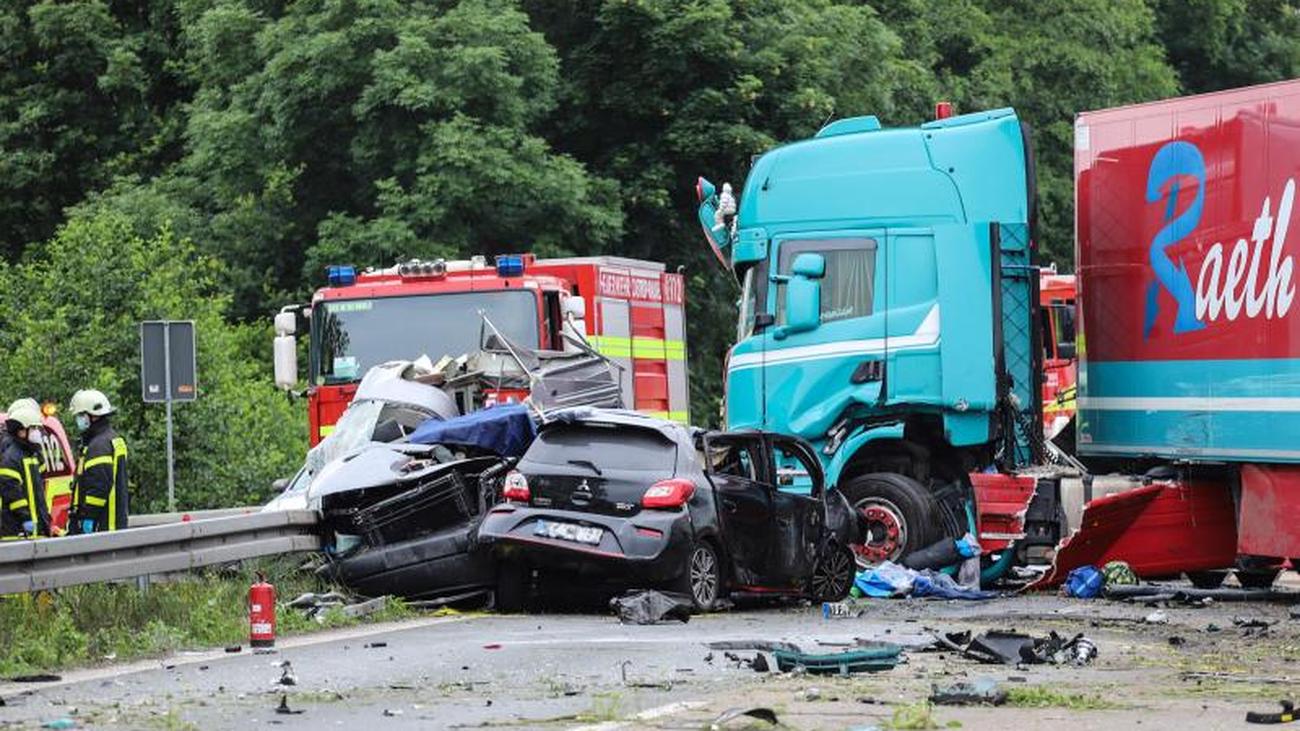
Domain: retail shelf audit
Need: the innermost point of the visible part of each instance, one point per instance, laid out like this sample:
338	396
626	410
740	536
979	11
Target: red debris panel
1003	501
1161	529
1269	527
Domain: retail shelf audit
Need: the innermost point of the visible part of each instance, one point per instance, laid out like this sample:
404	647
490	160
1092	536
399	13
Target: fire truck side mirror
575	308
285	351
286	362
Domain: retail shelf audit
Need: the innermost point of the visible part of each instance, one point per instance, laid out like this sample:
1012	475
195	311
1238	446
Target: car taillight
516	488
668	494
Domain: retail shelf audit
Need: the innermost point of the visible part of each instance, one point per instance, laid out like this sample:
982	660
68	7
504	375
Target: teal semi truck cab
888	312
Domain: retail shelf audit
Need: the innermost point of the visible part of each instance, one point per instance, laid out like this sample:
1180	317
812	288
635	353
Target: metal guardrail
182	516
53	563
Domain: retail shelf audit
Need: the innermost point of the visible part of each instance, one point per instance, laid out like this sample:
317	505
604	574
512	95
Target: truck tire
1207	579
1257	578
899	513
512	586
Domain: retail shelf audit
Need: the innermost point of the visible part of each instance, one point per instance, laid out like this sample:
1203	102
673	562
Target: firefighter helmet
26	412
90	401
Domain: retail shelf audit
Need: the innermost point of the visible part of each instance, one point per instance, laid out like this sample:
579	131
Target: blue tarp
505	430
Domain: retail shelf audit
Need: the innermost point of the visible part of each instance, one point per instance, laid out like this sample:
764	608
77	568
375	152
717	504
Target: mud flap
1160	529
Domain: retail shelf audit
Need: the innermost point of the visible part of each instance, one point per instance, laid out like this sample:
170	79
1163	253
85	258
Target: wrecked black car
627	500
414	462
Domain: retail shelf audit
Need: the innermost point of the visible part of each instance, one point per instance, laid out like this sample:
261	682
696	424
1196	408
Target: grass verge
1039	696
88	624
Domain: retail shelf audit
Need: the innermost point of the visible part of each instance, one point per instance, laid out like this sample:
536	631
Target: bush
73	312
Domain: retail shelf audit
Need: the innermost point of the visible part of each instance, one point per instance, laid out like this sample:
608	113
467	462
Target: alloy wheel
704	576
886	533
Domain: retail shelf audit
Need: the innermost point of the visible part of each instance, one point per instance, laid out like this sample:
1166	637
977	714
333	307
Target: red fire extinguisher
261	613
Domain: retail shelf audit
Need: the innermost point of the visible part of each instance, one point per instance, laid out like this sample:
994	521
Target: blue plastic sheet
891	580
505	430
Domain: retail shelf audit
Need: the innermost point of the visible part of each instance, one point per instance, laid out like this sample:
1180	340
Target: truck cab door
737	468
798	512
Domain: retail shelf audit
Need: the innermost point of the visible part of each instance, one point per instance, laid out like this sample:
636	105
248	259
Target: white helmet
26	412
90	401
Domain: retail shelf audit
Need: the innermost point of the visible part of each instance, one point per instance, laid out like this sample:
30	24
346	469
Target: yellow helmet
26	412
90	401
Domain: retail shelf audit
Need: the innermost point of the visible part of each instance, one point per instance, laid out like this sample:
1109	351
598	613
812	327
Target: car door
737	467
798	513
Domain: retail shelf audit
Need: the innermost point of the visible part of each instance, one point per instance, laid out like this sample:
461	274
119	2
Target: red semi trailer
1189	332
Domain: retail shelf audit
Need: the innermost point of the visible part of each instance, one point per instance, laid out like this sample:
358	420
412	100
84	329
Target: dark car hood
383	465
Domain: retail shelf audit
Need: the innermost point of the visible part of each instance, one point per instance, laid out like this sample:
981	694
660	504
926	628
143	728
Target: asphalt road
588	671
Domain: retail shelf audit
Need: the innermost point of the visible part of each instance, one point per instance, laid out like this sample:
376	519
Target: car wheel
702	578
512	586
898	513
833	577
1207	579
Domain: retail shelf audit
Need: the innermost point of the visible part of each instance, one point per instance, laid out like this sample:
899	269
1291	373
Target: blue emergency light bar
510	265
341	275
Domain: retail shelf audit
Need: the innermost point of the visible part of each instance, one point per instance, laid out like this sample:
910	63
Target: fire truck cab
630	311
1060	364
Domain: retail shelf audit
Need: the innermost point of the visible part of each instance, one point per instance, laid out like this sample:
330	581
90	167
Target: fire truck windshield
348	337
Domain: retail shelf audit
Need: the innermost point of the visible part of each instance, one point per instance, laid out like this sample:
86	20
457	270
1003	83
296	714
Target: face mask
83	422
34	435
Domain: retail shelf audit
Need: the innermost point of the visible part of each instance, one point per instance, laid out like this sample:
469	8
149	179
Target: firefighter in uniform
99	497
22	489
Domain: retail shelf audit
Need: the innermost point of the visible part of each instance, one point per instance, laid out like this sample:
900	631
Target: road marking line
193	658
649	714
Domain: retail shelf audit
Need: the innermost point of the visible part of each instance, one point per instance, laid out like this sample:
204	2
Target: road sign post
168	372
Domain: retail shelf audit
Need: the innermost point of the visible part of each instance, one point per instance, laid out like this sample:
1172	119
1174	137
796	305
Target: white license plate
568	532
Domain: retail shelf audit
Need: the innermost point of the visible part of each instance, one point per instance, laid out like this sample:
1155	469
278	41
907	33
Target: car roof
620	417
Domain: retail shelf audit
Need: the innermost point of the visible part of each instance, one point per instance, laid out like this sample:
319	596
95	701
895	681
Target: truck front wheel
899	515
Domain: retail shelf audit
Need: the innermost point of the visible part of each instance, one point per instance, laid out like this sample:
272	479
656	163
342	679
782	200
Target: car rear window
613	447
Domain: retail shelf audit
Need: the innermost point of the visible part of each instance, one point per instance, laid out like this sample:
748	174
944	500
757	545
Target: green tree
1050	59
337	130
657	92
86	93
1221	44
71	327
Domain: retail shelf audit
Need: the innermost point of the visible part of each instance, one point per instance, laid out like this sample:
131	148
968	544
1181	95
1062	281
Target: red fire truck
1060	365
631	311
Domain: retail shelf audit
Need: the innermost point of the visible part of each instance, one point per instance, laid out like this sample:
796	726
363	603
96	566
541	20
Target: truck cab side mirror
803	295
575	308
285	351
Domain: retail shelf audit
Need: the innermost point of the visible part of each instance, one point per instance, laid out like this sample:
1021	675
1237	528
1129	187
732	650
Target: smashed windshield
350	336
363	422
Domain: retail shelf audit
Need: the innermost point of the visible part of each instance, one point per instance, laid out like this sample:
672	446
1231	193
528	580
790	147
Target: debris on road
59	724
390	712
286	674
373	645
1164	593
866	660
759	645
1084	582
889	580
1288	715
982	691
731	714
235	648
1156	617
1013	648
651	607
284	710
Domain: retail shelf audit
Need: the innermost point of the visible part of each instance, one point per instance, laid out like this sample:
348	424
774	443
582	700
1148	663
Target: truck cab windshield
348	337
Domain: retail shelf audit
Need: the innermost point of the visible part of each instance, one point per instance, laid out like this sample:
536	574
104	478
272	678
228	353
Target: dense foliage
204	158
